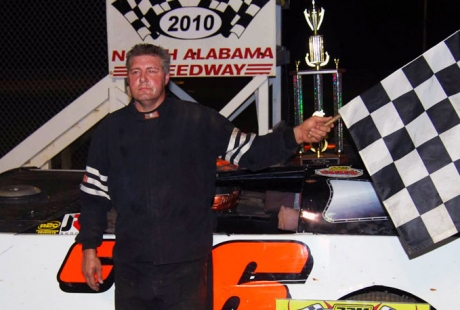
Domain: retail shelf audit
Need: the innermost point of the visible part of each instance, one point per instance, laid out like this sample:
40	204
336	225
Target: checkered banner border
145	15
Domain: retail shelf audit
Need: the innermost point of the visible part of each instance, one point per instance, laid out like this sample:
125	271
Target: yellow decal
50	225
339	168
293	304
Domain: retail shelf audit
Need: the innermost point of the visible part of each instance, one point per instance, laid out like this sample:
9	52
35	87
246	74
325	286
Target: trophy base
324	159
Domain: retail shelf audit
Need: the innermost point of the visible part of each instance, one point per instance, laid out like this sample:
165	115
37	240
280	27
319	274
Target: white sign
205	38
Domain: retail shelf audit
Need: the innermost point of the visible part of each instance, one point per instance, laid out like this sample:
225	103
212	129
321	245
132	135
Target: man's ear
167	77
128	89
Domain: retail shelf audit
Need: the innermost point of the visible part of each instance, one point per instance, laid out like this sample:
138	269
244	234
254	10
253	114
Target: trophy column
310	155
298	96
337	94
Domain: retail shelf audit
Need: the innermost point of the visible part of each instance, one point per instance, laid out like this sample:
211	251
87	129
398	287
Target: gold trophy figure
317	57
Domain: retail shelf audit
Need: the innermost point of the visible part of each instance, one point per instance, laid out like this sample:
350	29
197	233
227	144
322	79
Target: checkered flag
145	15
407	131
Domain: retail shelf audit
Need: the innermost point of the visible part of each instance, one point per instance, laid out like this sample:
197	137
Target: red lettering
237	53
224	53
239	69
212	54
212	69
198	54
268	53
227	53
195	70
250	54
181	70
173	54
189	54
227	70
116	54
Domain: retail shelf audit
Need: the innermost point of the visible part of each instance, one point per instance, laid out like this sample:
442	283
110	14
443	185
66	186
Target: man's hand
312	129
92	269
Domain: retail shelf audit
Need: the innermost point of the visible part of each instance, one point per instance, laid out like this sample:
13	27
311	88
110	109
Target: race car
311	234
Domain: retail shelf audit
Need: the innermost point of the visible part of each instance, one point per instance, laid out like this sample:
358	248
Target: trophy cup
316	42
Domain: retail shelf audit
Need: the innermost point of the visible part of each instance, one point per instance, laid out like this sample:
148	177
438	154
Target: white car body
29	265
330	257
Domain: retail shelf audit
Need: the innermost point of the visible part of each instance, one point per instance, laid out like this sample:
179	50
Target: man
154	162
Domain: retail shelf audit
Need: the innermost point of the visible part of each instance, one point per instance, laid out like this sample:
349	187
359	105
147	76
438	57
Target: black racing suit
158	171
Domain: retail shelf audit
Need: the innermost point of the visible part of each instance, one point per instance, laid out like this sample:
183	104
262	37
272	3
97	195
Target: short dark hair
152	50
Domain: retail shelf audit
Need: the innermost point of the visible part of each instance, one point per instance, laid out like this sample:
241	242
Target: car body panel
254	262
29	266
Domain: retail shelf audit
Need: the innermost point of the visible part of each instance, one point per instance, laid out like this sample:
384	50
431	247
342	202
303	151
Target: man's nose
143	77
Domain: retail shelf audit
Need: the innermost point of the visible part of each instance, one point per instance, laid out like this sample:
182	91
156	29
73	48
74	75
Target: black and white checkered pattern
145	15
407	131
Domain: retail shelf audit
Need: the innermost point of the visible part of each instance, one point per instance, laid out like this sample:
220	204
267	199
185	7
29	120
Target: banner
205	38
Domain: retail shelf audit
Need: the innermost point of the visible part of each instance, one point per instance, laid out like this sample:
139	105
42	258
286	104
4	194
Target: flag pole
332	120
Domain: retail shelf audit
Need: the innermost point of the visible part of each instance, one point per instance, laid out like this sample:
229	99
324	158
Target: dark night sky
372	38
55	50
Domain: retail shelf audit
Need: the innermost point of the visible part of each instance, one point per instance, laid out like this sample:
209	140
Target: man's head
152	50
148	75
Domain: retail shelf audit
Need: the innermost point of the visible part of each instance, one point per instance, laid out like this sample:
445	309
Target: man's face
147	82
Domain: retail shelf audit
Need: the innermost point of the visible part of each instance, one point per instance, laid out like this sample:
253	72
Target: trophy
317	58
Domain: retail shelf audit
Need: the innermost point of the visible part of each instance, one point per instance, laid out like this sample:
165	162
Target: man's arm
93	222
95	203
254	152
92	269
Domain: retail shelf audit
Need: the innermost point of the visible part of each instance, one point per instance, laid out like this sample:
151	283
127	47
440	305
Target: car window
353	200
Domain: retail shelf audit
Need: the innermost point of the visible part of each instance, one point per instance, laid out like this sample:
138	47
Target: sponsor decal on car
291	304
70	224
49	228
339	172
260	263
